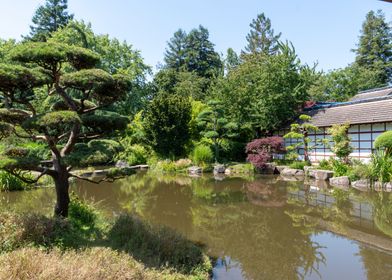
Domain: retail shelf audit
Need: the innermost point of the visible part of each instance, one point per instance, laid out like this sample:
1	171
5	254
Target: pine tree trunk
62	190
62	196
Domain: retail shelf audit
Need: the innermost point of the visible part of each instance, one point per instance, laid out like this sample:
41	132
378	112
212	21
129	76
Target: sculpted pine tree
48	18
374	50
262	38
82	93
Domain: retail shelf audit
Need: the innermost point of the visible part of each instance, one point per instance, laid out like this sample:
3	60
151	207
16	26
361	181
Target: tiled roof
375	93
372	111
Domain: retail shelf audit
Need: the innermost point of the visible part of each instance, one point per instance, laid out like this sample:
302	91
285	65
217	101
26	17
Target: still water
256	228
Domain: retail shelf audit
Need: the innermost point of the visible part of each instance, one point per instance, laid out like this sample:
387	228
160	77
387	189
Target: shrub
155	246
341	147
325	164
96	152
202	154
340	168
134	154
381	166
384	141
81	214
260	151
359	170
299	164
8	182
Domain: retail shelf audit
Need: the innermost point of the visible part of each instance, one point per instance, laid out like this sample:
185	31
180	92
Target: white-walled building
369	114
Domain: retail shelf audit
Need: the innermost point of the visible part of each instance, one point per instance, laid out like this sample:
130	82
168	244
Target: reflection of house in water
361	213
360	225
368	113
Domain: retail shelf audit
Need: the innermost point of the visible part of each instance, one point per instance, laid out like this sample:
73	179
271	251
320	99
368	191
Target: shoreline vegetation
87	246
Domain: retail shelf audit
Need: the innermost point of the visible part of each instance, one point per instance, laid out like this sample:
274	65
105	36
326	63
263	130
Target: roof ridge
373	90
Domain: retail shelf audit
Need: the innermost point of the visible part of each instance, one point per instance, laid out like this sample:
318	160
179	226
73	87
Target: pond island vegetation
72	101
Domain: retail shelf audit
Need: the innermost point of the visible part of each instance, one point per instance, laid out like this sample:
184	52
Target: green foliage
381	166
359	171
342	142
14	77
340	168
133	154
261	38
301	131
167	124
95	152
374	48
299	164
384	141
264	92
193	52
47	55
8	182
82	215
105	122
202	154
53	123
48	18
215	126
18	158
325	165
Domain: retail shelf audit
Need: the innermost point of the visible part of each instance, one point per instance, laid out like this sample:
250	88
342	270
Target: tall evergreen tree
48	18
200	54
232	60
374	50
262	38
176	50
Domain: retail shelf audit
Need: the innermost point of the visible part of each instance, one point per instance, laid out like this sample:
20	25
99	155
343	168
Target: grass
90	264
88	246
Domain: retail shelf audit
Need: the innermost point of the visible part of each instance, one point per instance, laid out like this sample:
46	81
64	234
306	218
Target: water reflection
257	228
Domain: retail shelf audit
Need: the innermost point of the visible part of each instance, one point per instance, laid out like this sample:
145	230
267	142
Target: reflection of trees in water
265	193
378	265
382	211
263	240
37	201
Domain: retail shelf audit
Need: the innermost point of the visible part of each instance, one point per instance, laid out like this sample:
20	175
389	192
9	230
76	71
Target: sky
321	31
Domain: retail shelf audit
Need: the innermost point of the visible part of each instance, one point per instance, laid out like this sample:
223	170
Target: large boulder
195	170
323	174
362	185
342	181
292	172
219	169
280	168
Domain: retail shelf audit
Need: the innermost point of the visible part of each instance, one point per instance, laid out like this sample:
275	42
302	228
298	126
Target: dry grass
90	264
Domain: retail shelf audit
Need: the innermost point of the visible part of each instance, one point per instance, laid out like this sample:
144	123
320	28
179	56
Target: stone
309	171
362	185
312	173
270	168
292	172
219	169
280	168
227	171
342	181
194	170
386	187
323	174
122	164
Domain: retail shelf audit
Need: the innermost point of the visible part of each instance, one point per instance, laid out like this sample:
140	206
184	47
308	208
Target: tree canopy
48	18
67	72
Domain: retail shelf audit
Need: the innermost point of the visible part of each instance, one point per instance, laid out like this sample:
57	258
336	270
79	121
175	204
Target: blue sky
322	31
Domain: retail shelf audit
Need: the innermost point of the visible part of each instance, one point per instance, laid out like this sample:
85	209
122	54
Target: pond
257	228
